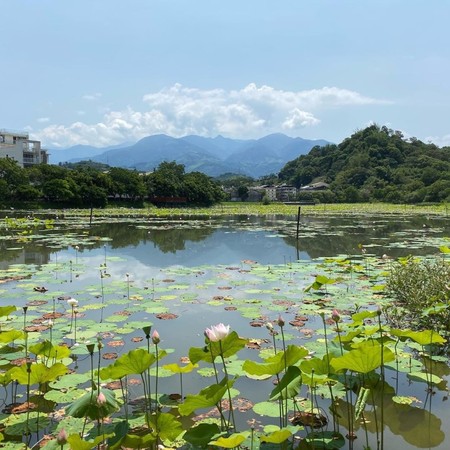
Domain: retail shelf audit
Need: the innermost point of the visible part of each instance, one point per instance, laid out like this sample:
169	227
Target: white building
18	146
286	192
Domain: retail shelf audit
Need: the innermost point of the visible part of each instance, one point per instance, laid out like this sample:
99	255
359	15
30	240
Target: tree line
374	164
84	185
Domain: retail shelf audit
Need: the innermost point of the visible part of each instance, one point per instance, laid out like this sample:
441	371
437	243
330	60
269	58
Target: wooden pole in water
90	217
298	220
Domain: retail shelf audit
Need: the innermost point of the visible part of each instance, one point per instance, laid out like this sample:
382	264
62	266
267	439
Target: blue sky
103	72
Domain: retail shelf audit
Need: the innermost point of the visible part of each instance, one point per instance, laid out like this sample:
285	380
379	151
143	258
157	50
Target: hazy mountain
213	156
267	155
78	152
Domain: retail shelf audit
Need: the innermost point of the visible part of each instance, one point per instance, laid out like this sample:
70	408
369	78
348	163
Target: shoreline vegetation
243	208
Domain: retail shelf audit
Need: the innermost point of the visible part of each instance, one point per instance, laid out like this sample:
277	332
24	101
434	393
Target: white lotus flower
217	332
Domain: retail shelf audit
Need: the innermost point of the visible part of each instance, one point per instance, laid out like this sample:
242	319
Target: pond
181	276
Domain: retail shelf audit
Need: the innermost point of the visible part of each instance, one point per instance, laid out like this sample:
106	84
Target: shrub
421	293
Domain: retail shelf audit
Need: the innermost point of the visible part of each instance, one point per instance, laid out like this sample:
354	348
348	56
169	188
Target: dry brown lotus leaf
257	323
19	408
113	385
122	313
137	339
107	335
166	316
37	303
36	328
110	355
54	315
224	288
118	343
230	308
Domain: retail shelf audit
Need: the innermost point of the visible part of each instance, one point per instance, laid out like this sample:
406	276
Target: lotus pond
308	362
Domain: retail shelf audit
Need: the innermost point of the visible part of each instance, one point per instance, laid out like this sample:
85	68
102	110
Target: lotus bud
335	316
101	399
61	438
280	321
155	337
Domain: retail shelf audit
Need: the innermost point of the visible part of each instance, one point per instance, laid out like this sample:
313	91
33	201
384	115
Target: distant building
18	146
286	192
271	192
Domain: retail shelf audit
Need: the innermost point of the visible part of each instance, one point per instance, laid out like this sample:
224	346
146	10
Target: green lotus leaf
206	398
49	350
38	373
70	380
19	424
232	441
227	347
289	385
315	370
277	363
322	440
135	441
368	356
424	377
401	400
201	435
277	437
175	368
63	397
12	335
134	362
87	406
76	443
7	310
165	425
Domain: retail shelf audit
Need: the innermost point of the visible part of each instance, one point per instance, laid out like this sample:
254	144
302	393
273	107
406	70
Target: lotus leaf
368	356
207	397
276	363
37	373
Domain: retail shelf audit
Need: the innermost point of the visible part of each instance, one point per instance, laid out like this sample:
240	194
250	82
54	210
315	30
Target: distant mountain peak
213	156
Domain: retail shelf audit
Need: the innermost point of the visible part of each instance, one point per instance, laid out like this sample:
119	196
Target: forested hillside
374	164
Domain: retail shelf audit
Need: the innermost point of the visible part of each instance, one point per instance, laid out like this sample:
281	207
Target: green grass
258	209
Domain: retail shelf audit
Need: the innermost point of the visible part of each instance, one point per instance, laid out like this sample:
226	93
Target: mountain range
212	156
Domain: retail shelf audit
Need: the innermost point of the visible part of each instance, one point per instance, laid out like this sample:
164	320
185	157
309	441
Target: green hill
374	164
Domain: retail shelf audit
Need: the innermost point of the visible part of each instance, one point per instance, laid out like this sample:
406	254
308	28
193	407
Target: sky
106	72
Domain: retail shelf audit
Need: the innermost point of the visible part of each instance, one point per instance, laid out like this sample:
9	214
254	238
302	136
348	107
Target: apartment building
17	145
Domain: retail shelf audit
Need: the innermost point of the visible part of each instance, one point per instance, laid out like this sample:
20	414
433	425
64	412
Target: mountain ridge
212	156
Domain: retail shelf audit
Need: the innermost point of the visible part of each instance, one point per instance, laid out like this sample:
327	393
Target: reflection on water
268	240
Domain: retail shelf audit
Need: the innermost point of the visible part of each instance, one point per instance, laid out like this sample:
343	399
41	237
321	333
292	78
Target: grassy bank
259	209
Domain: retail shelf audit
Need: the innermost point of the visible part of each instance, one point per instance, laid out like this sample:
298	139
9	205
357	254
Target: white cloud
298	118
43	119
440	141
178	111
92	97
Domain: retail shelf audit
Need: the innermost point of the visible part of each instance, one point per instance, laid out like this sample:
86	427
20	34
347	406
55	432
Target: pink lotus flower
101	399
335	316
217	332
155	337
61	438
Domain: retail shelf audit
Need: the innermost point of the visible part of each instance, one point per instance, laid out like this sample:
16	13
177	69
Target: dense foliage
421	294
86	186
375	164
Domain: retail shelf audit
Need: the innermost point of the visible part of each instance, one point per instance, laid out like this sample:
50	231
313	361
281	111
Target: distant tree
242	192
166	180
